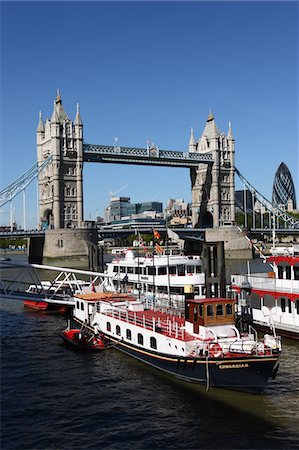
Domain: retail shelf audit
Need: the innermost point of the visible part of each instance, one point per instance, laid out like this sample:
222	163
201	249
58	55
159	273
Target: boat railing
168	326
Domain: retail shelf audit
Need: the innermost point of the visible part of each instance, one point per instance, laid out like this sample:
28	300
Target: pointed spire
192	141
54	118
58	97
210	116
40	126
78	120
211	130
230	132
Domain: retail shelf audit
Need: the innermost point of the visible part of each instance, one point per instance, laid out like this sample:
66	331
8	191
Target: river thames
56	398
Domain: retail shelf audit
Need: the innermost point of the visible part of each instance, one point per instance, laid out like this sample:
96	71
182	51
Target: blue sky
151	70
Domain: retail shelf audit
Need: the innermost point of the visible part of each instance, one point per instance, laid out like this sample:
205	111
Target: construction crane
112	194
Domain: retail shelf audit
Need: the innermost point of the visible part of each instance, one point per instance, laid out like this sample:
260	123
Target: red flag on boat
156	234
159	249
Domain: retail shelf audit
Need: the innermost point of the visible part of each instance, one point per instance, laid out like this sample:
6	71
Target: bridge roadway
144	156
184	233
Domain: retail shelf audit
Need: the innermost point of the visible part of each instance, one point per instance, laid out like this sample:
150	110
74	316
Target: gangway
21	281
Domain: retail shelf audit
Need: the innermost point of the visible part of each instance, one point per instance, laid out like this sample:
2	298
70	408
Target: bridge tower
60	185
213	185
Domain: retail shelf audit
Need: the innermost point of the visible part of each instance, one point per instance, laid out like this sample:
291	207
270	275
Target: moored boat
161	276
204	347
273	296
58	291
83	340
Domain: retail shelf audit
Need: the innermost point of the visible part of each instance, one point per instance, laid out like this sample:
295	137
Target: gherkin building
283	187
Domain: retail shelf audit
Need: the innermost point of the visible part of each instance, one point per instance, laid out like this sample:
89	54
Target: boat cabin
210	312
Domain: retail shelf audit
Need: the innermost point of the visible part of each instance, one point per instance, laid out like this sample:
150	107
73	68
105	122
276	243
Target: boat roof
106	296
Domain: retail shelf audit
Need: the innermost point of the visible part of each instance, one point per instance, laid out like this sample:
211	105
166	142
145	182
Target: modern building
121	207
283	193
243	201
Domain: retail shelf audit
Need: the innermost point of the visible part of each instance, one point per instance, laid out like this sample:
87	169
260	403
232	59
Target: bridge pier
76	247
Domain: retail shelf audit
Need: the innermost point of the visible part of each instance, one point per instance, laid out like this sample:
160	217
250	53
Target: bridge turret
192	142
60	186
213	194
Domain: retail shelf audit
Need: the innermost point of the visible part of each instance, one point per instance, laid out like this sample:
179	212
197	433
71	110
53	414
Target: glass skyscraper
283	188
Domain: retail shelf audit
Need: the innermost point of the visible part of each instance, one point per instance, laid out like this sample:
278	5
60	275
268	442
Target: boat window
172	270
288	272
82	306
108	326
138	270
196	290
296	273
77	304
290	305
130	269
219	309
151	270
122	269
181	270
140	338
210	310
198	269
228	309
129	334
255	302
115	269
153	342
195	314
190	269
297	306
162	271
200	310
280	272
117	329
283	304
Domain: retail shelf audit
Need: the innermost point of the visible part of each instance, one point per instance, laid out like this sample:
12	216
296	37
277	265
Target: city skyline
148	72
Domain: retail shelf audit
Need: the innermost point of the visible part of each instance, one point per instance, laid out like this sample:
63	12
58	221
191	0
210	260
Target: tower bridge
210	160
61	154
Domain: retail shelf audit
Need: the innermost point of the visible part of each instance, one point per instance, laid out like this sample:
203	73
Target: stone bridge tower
60	184
213	185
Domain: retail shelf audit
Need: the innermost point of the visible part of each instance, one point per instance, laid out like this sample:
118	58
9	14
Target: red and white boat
204	347
273	296
83	339
54	292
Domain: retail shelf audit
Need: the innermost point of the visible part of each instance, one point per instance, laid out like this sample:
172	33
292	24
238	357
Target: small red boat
83	340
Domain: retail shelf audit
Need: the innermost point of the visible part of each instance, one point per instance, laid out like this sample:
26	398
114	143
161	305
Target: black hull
249	374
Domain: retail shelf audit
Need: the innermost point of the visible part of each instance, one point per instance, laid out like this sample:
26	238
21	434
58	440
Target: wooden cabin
210	311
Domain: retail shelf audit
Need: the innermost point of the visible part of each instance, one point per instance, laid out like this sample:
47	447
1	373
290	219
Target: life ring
215	350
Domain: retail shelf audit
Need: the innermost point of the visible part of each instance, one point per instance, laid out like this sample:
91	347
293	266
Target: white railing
168	326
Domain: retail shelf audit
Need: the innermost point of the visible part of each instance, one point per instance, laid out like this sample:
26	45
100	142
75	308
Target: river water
56	398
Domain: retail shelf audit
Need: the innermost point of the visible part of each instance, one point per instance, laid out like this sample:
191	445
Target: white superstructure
162	276
274	296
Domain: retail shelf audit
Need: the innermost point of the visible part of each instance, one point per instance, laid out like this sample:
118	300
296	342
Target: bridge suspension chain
13	189
289	221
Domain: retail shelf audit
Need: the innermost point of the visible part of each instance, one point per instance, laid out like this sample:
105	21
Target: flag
159	249
156	234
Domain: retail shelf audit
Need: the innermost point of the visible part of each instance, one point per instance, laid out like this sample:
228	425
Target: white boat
162	276
273	296
205	347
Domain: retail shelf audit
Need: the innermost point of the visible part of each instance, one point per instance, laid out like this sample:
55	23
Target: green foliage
15	242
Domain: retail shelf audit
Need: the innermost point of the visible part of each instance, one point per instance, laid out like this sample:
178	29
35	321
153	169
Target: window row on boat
179	270
135	337
285	272
175	290
283	302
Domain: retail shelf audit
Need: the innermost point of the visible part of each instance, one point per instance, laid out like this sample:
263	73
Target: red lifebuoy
215	350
